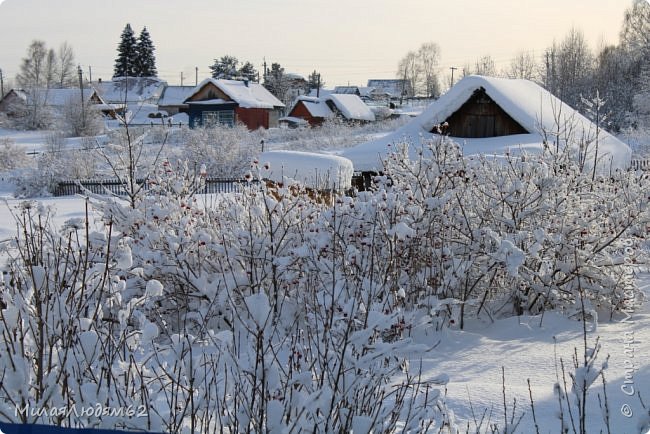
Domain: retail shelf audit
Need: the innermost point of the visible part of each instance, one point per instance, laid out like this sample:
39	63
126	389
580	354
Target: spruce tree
126	54
145	61
248	72
225	67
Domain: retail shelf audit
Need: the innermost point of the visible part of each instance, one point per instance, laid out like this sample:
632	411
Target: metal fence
117	188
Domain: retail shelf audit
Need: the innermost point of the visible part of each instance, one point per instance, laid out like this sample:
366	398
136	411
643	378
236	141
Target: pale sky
347	41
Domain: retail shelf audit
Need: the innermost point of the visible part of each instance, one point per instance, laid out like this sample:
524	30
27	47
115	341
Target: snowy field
527	348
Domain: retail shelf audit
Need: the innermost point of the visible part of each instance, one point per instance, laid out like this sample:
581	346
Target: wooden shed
480	116
314	110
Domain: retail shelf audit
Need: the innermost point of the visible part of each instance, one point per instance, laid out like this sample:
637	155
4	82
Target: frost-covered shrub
78	119
511	235
225	151
266	315
260	312
11	156
54	165
63	325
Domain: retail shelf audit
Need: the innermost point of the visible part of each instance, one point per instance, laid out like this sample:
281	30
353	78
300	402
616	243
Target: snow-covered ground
530	348
526	347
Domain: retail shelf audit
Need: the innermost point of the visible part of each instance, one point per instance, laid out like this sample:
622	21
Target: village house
131	90
217	101
17	101
394	88
499	116
315	111
172	99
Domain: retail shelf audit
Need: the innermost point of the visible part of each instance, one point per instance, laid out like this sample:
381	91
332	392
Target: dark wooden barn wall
481	117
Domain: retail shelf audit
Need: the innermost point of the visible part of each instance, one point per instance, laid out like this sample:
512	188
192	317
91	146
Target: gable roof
351	107
530	105
391	86
133	89
347	90
246	94
175	95
56	97
316	107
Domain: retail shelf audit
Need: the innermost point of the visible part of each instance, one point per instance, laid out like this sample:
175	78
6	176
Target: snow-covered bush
63	333
78	119
57	163
260	290
511	235
260	312
226	151
11	156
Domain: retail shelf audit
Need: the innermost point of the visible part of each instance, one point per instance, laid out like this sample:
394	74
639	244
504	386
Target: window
223	117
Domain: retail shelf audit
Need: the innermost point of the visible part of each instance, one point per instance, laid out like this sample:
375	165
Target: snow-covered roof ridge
315	106
134	89
532	106
245	93
58	97
175	95
539	112
351	106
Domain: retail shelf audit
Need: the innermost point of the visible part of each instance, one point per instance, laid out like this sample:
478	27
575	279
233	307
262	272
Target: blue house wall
196	110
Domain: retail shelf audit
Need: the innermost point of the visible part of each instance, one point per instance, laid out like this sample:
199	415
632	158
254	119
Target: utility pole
196	76
181	78
453	68
265	71
90	74
318	87
81	88
2	85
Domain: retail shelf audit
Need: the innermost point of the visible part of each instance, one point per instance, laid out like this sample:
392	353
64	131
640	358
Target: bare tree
409	70
485	66
50	69
635	33
523	65
33	67
65	66
568	68
34	76
429	56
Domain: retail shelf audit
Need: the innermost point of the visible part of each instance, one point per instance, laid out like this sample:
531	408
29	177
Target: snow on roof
133	89
321	93
246	94
392	86
346	90
533	107
352	107
56	97
316	107
61	97
175	95
294	76
318	171
292	119
211	101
